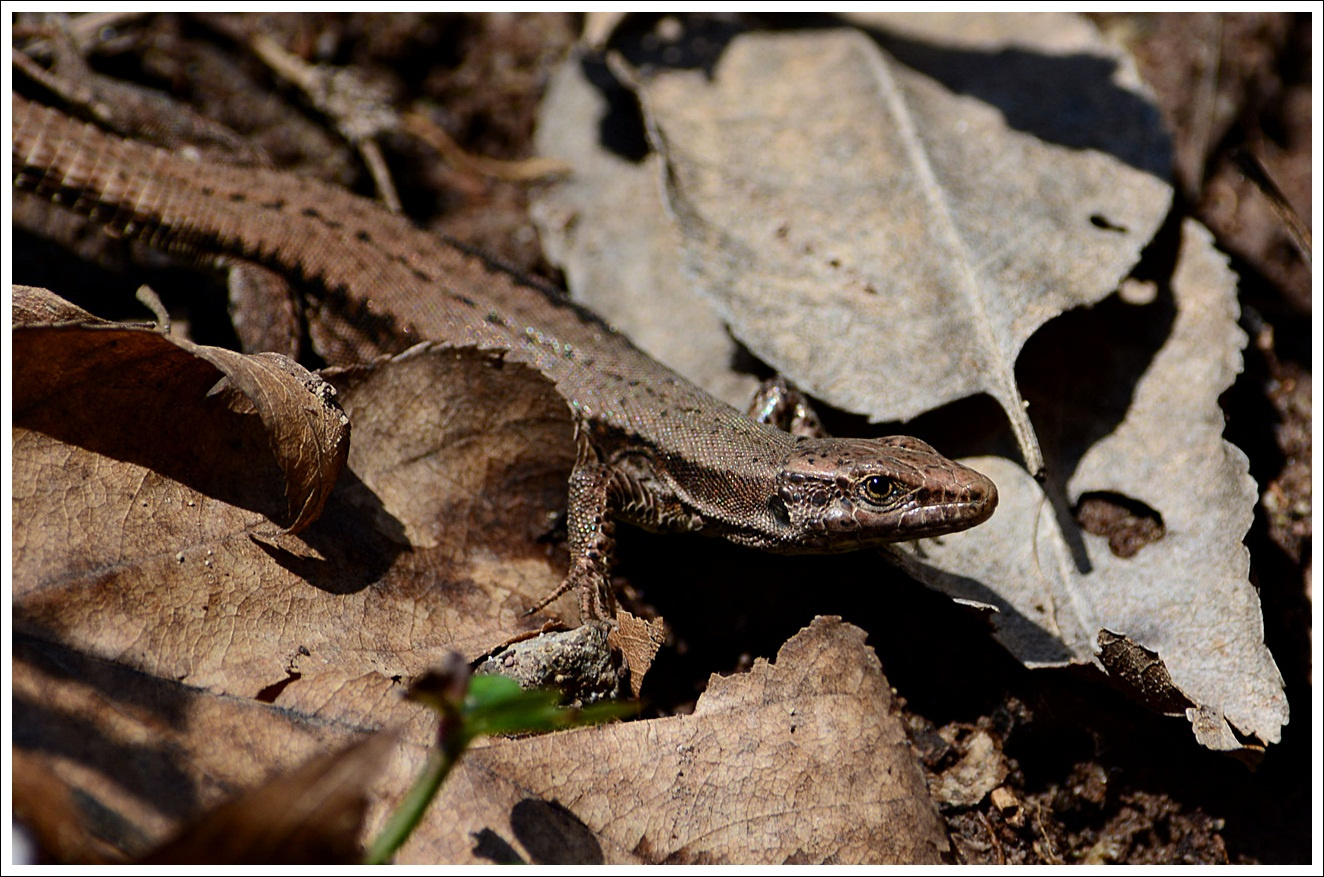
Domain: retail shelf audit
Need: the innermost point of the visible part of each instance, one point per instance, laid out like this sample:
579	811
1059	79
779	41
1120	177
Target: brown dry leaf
797	761
64	356
154	631
1142	432
46	810
893	266
313	813
141	497
638	640
142	755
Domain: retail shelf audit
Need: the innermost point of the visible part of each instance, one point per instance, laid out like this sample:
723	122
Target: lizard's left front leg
592	540
591	535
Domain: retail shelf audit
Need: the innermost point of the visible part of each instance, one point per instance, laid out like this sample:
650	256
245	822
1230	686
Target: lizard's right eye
879	489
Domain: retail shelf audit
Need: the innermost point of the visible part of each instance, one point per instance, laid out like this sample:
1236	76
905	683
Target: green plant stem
410	812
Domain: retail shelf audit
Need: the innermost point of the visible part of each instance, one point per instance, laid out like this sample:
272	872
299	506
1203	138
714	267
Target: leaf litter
311	689
178	628
892	265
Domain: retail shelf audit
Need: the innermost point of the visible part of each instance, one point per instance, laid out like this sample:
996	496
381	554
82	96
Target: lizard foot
596	600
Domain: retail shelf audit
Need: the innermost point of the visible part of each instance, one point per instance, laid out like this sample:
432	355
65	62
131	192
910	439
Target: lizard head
844	494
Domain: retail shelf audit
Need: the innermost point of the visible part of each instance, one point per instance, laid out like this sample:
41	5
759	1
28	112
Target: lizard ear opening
779	511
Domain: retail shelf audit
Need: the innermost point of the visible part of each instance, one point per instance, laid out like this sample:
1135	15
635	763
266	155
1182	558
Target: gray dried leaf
1063	593
626	271
986	205
889	238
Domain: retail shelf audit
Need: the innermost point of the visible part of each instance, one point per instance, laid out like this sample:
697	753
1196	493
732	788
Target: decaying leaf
638	640
626	271
800	760
445	435
313	813
142	755
1136	417
47	813
75	372
146	500
894	264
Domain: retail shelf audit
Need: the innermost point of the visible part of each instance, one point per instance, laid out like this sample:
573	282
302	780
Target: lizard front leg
592	540
779	403
591	534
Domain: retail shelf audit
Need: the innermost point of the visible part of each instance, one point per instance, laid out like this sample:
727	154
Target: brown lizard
652	448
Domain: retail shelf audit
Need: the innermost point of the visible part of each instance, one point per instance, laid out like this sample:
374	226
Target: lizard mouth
831	515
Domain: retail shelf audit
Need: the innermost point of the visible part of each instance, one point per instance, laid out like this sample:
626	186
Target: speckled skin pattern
652	448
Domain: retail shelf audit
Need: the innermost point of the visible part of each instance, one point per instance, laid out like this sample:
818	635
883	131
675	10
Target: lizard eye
879	490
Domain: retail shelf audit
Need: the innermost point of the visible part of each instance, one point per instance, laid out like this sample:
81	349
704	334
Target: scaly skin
653	449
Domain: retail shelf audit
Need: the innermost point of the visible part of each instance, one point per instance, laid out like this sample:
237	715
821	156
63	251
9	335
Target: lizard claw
596	601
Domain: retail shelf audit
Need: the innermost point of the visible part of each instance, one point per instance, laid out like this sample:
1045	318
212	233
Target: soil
1082	774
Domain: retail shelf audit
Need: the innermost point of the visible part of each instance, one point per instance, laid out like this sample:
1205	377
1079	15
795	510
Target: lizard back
385	284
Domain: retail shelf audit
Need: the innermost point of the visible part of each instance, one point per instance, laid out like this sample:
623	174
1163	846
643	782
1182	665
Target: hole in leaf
1128	524
1098	220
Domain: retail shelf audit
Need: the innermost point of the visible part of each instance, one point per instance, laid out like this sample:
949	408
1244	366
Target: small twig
360	113
1253	170
1047	851
523	170
381	174
152	301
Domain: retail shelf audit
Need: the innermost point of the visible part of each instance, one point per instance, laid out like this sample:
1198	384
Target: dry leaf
797	761
141	494
47	811
906	269
445	435
74	375
638	640
155	632
1145	429
626	271
142	754
313	813
887	239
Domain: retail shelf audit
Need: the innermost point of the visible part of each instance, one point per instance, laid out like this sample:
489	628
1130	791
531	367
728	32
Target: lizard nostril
655	450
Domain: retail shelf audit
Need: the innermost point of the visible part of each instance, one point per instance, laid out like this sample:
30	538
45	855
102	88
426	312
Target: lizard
652	449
